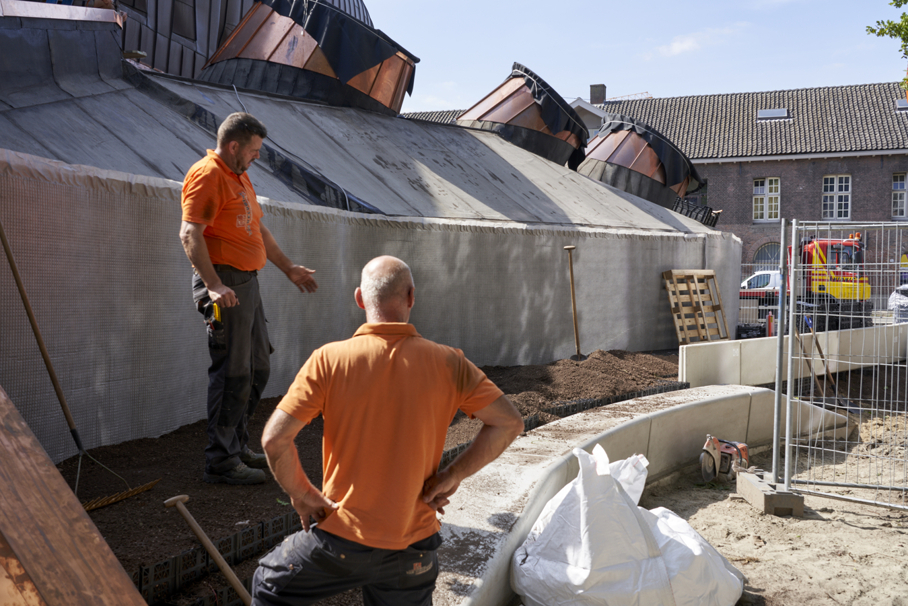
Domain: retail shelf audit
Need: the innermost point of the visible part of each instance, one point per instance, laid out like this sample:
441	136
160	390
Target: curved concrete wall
130	348
493	511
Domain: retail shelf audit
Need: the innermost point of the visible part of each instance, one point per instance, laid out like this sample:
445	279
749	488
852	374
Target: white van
760	284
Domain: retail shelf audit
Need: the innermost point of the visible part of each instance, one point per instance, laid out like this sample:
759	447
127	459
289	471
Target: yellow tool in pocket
216	312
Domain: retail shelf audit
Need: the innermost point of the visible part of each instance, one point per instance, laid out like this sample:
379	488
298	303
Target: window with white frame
836	197
766	199
898	196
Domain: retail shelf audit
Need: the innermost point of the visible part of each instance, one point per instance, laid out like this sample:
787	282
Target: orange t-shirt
225	202
387	396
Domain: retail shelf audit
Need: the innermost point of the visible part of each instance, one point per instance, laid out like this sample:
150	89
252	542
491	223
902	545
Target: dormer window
773	114
901	105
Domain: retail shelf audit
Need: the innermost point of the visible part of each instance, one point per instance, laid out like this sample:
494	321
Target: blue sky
665	48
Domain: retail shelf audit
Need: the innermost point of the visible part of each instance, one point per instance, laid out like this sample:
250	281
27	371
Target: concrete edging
732	362
669	430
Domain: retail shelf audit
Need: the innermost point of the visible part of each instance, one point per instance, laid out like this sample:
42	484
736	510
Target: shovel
579	357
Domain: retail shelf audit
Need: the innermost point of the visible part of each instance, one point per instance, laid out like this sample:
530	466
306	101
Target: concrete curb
494	510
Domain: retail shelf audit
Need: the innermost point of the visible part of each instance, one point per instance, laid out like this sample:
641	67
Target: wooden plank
718	296
16	587
46	528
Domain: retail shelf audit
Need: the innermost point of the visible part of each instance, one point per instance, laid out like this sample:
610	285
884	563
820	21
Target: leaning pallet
696	305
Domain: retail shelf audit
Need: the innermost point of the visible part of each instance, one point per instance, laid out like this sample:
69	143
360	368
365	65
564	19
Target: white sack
898	304
593	545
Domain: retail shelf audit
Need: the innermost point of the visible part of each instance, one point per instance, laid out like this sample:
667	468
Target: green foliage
894	29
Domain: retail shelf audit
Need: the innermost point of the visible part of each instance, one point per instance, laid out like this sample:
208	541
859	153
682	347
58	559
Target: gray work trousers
239	348
310	566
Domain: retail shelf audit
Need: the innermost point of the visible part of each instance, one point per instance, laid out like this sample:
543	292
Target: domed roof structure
631	155
354	8
319	50
529	113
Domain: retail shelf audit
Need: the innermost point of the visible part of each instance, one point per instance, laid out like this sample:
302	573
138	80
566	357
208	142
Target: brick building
833	153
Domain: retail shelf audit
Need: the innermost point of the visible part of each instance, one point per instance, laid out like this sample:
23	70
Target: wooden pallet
696	305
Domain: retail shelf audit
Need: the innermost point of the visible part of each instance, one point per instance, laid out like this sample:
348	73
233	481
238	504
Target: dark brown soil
142	532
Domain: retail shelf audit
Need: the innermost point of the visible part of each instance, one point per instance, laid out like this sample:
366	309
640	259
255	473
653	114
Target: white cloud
688	43
681	44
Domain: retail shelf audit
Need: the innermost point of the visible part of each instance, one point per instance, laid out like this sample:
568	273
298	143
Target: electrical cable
238	98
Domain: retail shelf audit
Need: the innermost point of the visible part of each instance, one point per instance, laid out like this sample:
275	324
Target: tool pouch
217	335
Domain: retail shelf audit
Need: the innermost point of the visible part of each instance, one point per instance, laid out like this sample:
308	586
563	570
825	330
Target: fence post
780	329
792	318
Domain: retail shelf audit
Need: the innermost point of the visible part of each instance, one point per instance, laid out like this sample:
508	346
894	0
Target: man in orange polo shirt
227	244
387	397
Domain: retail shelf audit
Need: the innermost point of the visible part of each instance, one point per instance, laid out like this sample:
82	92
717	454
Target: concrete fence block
712	363
758	360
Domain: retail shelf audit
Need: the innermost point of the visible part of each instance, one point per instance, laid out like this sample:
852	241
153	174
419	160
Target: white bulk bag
593	545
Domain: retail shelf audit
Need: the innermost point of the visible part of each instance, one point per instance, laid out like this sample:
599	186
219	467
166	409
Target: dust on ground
838	553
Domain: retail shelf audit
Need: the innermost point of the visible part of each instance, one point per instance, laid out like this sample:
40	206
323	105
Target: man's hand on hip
223	296
313	504
302	277
437	489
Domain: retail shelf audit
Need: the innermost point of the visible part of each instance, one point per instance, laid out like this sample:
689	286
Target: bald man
387	397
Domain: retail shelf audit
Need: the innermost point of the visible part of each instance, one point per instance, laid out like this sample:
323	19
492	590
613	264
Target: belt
232	268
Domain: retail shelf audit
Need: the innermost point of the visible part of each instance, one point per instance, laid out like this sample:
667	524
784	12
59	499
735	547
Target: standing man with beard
227	244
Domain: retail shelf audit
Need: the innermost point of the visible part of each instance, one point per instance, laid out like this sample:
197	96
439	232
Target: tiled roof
448	116
825	120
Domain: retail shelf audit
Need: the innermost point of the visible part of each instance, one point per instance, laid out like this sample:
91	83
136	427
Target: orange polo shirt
225	203
387	396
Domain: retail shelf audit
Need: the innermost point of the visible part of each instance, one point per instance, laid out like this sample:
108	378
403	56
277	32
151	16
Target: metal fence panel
848	284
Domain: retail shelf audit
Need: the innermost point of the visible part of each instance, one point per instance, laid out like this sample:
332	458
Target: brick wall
801	189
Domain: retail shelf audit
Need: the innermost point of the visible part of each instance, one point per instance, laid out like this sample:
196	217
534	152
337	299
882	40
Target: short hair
377	289
240	127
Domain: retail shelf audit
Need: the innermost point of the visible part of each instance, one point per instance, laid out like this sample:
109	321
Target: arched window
767	257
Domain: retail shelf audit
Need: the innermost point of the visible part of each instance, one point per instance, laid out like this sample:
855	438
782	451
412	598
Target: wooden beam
47	532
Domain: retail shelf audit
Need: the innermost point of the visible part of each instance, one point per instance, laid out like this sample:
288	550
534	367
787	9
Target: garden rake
94	503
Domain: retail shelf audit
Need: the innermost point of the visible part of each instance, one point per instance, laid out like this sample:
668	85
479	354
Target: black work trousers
310	566
240	365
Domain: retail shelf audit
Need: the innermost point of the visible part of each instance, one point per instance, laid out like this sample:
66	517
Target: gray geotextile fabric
110	285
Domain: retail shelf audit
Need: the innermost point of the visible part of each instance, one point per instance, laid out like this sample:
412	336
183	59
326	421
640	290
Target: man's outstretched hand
302	277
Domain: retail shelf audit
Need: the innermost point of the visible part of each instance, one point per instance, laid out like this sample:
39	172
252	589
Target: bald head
386	290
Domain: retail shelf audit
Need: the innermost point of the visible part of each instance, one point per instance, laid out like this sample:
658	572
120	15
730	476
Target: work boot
254	459
241	474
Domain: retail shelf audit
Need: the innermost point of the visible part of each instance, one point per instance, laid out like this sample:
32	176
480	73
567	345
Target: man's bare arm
299	275
501	425
191	235
284	461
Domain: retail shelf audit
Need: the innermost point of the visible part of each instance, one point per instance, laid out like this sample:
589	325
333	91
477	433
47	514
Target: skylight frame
776	113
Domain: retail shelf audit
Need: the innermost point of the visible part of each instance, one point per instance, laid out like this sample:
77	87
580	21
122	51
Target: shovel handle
570	250
44	354
209	546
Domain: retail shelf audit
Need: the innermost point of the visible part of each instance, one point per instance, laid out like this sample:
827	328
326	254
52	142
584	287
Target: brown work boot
254	459
241	474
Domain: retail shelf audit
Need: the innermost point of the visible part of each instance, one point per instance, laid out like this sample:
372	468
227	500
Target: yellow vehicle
835	287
